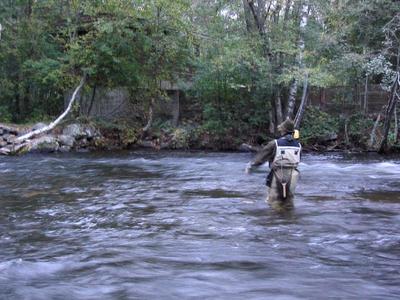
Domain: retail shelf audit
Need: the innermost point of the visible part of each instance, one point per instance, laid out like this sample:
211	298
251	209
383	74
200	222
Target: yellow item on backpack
296	134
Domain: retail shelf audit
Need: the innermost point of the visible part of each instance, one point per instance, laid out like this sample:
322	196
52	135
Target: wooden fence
349	99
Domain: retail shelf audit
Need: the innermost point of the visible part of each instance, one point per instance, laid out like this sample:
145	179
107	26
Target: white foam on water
69	190
22	269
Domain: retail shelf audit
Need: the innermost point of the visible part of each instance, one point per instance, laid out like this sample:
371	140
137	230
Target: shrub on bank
317	125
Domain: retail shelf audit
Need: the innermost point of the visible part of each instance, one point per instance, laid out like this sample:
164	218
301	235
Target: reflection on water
193	225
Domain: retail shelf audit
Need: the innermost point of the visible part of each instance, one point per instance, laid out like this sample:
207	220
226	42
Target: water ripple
193	225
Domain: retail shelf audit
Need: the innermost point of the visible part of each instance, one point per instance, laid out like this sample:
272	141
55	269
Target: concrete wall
109	104
116	104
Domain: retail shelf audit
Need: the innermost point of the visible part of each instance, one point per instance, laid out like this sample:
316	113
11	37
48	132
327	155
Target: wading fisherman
283	155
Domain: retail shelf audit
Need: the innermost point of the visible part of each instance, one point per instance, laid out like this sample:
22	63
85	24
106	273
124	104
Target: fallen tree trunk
58	120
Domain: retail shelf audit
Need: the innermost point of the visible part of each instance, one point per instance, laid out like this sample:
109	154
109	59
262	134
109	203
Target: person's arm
265	154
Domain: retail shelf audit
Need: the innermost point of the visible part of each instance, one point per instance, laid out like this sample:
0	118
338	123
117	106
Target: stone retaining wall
8	135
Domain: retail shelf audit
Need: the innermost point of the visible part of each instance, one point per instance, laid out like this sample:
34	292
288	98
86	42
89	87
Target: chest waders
287	158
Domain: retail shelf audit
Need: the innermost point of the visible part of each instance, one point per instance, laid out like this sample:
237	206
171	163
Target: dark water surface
194	226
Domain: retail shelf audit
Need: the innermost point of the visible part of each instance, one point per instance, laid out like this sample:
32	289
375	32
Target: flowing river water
135	225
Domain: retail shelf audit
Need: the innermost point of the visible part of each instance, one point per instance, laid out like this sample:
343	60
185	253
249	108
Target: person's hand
248	168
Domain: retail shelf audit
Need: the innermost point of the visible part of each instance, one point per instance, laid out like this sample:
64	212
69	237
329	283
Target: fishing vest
287	154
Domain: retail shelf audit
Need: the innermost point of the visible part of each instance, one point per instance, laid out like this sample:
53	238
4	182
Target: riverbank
87	135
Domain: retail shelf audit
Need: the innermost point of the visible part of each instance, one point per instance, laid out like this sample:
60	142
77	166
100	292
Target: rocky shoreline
78	137
69	138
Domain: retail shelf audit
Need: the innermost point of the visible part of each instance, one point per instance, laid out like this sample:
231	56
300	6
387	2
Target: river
135	225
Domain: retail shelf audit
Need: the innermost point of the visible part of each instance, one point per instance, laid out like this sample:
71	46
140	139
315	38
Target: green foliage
239	68
317	124
129	136
47	45
181	138
230	83
359	129
5	115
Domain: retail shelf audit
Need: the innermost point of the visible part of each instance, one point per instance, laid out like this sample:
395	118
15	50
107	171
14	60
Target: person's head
286	127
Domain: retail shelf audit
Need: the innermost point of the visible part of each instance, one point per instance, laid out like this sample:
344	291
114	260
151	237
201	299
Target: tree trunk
271	127
176	109
150	117
259	14
278	108
92	100
287	10
292	98
365	104
394	97
299	59
346	132
248	16
373	132
58	120
396	124
303	103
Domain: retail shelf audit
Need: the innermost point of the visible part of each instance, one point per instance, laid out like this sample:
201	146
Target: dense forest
250	64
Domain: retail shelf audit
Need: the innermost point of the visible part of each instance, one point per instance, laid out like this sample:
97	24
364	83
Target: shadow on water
379	195
193	225
215	194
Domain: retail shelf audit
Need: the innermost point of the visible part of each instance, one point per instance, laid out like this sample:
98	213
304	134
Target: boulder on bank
73	130
66	140
47	143
78	136
74	136
8	135
326	139
79	131
65	149
38	126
